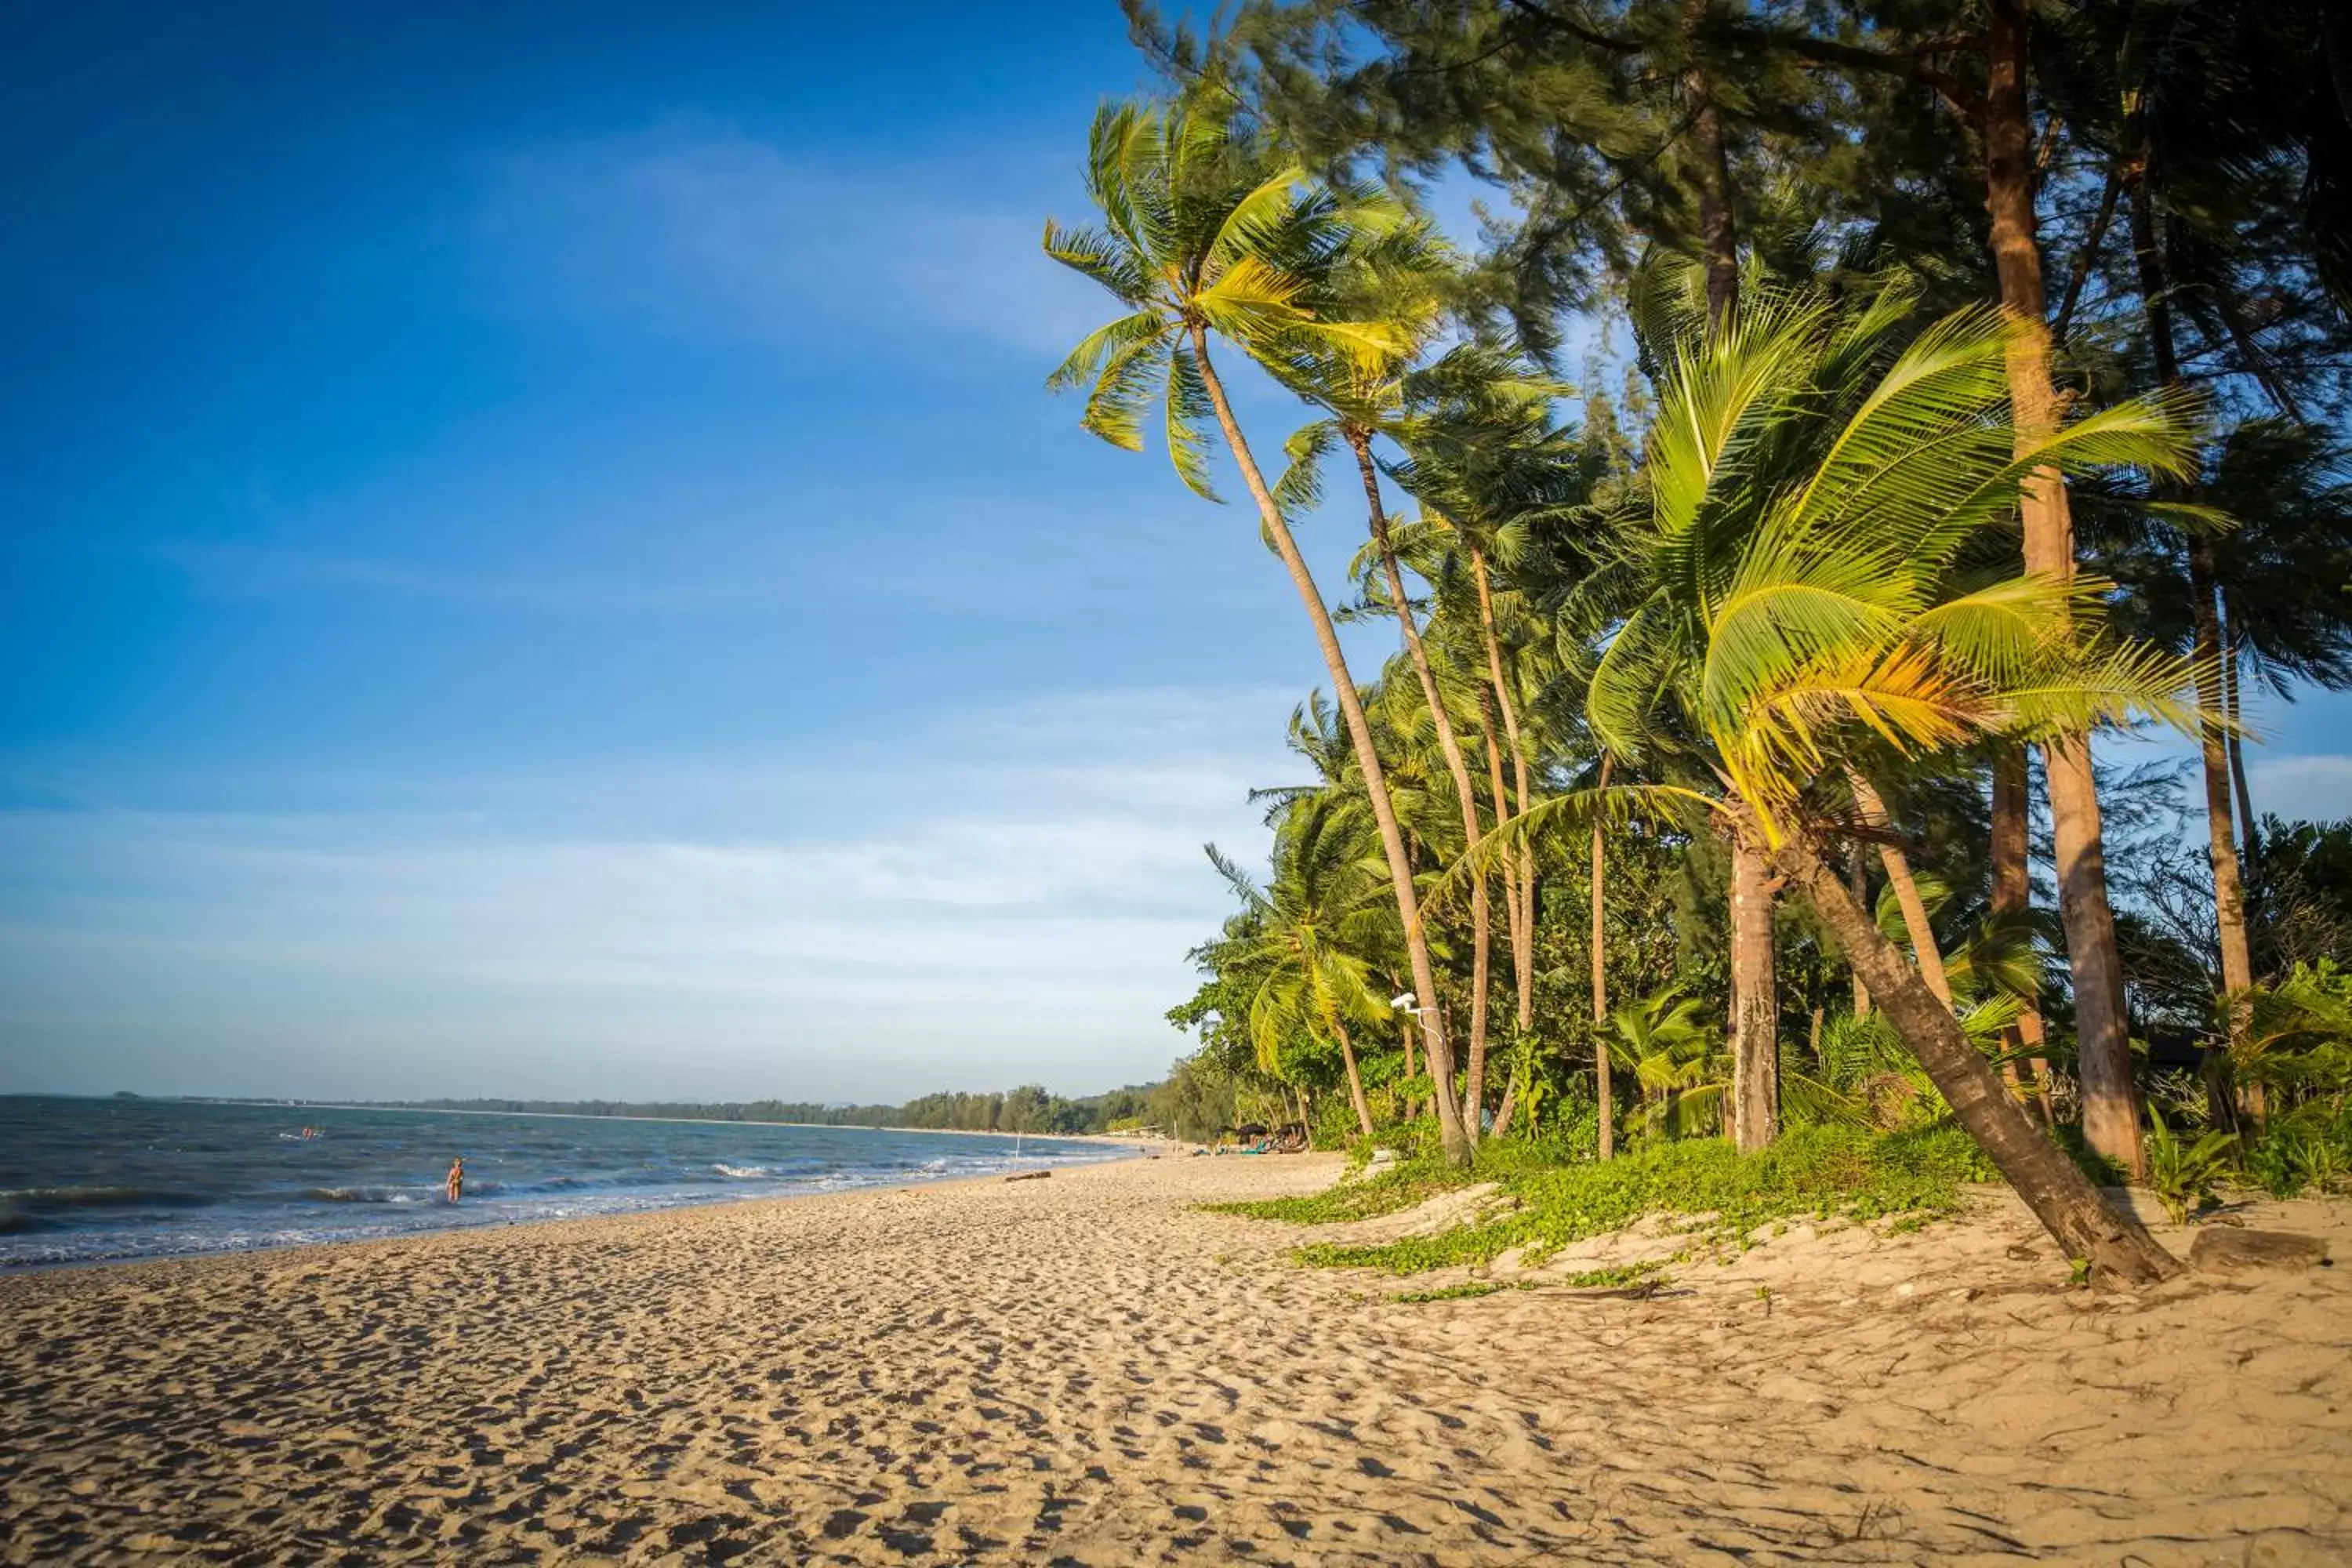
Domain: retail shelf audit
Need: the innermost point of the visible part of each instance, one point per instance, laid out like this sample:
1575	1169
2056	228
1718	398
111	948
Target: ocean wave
741	1173
40	1199
368	1195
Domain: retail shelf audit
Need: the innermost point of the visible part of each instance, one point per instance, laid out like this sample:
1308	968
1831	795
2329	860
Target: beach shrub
2308	1149
2186	1176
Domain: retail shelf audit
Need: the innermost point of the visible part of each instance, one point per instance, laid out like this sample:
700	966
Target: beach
1086	1369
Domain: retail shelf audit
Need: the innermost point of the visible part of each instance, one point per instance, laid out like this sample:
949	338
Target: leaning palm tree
1363	395
1210	230
1814	499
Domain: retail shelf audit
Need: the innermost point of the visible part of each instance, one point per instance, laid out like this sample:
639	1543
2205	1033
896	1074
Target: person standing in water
456	1178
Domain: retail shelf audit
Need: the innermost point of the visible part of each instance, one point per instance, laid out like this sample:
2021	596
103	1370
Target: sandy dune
1083	1370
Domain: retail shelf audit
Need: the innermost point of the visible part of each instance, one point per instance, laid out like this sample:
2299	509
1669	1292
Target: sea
84	1181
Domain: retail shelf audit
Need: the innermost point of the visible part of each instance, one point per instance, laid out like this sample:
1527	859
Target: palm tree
1310	940
1676	1060
1395	282
1487	460
1210	228
1807	518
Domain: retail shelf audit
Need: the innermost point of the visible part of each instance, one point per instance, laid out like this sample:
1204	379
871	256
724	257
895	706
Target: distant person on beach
456	1178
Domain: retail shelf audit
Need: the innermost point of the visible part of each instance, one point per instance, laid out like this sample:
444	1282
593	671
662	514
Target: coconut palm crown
1208	226
1812	576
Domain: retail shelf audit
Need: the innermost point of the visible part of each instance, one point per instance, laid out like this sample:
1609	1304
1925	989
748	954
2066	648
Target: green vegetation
1468	1291
2186	1173
1648	1274
1026	1109
1718	1196
1697	801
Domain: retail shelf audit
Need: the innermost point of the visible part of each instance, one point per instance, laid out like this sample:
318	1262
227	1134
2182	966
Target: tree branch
1960	95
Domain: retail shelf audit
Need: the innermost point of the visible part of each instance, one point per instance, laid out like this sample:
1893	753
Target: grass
1722	1197
1591	1278
1469	1292
1401	1186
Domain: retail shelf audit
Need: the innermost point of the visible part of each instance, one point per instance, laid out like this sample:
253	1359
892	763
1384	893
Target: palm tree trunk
1754	994
1367	756
2110	1115
1482	919
1404	1033
2118	1248
2248	824
1907	889
2012	893
1355	1078
1523	945
2205	616
1601	1086
1755	999
1858	880
1513	915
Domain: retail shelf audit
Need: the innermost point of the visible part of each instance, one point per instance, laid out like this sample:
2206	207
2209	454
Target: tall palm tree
1395	282
1489	459
1208	228
1812	495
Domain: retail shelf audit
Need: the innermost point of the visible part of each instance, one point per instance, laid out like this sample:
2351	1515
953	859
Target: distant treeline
1029	1109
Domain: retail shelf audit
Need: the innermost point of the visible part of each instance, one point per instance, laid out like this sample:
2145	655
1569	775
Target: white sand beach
1087	1370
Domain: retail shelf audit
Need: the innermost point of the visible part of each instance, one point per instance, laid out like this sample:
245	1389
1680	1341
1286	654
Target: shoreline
1091	1369
497	1224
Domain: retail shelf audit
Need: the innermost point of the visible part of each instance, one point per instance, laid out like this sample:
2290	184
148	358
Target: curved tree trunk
1907	889
2117	1247
1482	921
1355	1080
2110	1113
1367	756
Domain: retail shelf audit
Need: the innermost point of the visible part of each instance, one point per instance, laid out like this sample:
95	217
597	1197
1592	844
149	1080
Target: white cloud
1009	897
697	227
2315	788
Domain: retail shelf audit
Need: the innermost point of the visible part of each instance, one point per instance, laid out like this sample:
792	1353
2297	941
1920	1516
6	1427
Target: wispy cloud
2314	788
698	227
1008	896
254	571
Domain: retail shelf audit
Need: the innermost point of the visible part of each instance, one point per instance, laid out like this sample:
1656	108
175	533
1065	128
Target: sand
1084	1370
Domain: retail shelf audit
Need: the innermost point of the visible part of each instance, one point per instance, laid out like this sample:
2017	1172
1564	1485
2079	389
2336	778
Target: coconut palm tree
1676	1060
1209	229
1313	938
1396	281
1812	497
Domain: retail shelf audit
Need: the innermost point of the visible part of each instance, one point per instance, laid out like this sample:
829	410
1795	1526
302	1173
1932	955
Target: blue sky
537	561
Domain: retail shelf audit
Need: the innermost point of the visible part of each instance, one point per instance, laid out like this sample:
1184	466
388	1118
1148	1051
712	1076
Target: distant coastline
1028	1111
